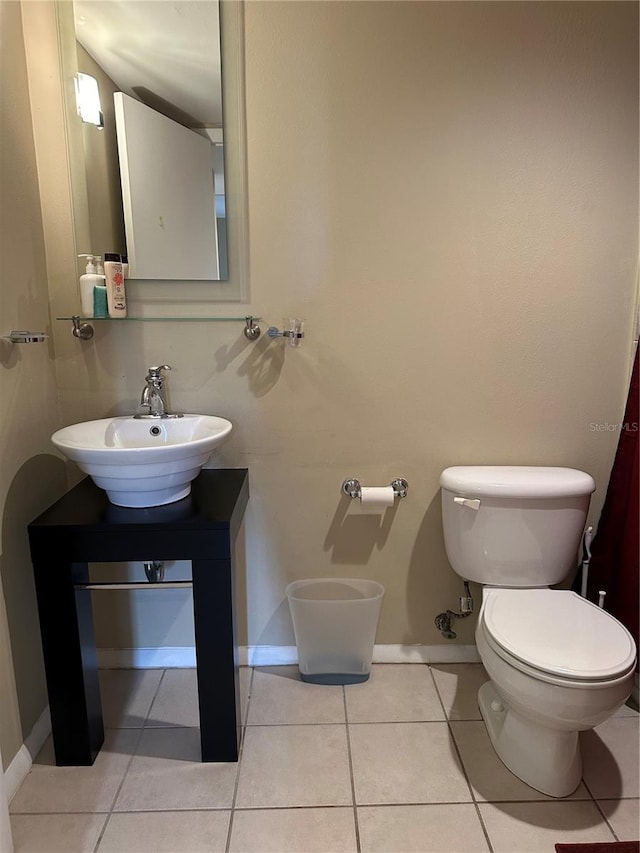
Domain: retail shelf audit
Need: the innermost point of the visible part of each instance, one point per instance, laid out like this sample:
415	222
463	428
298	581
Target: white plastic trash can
335	621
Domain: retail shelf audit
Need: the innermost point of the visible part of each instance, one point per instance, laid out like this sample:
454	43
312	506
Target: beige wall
100	146
30	476
447	192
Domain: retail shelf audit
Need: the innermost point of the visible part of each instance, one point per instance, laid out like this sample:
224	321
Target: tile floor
399	764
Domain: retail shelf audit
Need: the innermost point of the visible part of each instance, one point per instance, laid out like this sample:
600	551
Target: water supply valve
443	621
466	602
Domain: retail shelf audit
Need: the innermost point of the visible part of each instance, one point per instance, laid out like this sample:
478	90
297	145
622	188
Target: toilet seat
556	634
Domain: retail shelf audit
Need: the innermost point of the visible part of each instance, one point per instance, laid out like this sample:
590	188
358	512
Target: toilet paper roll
377	496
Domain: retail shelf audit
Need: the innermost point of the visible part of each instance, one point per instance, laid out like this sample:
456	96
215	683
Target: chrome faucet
153	399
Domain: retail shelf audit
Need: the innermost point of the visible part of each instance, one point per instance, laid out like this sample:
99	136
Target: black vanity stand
83	527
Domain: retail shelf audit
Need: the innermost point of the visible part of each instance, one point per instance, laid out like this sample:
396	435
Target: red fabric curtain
614	561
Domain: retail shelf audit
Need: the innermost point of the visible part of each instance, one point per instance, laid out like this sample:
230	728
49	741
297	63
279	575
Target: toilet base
546	759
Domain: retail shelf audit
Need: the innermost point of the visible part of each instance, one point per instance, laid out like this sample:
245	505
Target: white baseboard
267	655
17	770
426	654
169	657
185	656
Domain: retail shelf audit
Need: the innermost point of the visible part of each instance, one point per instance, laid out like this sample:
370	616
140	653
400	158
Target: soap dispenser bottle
87	282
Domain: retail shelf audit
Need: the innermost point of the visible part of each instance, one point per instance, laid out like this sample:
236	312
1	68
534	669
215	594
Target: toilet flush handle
472	503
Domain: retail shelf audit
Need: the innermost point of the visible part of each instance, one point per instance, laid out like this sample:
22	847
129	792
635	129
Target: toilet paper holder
352	488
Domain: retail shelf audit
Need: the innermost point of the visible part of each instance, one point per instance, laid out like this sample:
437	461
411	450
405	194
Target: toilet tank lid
516	481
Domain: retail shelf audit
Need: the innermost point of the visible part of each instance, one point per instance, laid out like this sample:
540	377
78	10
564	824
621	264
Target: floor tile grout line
583	780
151	704
144	728
107	818
351	775
129	763
305	807
464	769
243	736
614	799
249	690
134	752
435	684
397	722
474	800
559	801
599	808
483	825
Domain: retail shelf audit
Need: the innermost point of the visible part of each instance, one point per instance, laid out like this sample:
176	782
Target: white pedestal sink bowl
146	462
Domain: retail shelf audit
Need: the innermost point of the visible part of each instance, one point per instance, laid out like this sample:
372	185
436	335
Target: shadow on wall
278	631
37	484
262	365
9	353
427	594
352	537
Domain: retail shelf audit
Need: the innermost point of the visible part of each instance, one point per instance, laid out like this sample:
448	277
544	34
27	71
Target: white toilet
558	664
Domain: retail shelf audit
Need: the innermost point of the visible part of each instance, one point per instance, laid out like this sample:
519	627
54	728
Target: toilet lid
559	632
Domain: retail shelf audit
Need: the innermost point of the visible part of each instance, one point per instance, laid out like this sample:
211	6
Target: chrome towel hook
251	329
294	333
84	331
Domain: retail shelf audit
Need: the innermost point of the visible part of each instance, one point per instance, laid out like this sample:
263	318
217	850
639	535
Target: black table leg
217	659
70	660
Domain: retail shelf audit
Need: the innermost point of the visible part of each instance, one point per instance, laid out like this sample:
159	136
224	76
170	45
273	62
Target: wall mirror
178	70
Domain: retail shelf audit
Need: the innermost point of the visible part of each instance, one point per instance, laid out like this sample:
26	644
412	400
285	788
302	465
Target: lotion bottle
114	280
87	282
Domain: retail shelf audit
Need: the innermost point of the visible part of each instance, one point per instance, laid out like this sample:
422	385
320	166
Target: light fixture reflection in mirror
167	57
88	99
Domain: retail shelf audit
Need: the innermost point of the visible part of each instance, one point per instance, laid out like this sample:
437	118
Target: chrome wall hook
294	333
83	331
251	329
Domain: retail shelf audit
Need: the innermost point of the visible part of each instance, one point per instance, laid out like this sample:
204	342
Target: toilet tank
514	526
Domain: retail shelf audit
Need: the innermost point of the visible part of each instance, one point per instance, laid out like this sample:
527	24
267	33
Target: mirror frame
176	298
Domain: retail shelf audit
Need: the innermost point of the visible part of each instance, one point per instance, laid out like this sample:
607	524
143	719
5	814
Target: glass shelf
166	319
